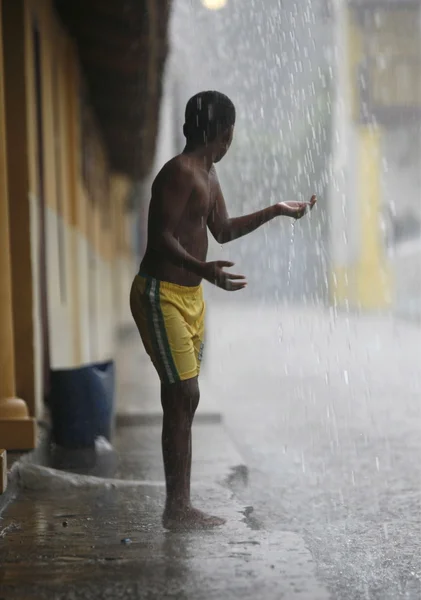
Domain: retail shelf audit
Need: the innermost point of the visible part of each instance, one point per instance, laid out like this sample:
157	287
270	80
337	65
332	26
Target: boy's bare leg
179	403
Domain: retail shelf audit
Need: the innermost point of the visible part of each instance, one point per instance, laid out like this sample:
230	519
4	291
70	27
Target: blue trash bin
81	403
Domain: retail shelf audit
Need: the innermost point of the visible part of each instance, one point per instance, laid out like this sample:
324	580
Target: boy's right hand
214	273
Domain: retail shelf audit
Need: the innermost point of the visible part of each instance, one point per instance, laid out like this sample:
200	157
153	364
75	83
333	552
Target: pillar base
18	434
3	471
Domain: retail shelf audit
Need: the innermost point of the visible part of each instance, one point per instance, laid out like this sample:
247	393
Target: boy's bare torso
191	229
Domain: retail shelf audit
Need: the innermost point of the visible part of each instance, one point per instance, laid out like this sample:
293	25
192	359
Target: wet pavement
70	536
321	487
326	410
70	545
87	525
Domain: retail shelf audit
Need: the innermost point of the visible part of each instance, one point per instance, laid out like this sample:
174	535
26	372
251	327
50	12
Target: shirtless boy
166	298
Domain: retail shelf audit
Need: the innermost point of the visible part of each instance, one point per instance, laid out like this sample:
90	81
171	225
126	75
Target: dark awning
122	47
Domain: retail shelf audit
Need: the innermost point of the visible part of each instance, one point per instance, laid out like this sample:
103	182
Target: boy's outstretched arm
225	229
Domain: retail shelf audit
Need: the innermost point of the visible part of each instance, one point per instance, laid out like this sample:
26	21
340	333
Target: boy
166	298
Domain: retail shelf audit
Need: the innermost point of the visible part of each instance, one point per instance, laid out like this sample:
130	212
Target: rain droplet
291	254
303	465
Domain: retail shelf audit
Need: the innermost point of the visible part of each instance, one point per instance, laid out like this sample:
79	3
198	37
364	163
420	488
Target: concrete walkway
94	531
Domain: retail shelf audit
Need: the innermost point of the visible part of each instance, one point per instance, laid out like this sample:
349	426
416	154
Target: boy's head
210	119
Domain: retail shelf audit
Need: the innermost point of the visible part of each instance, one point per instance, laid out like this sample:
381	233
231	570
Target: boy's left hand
296	210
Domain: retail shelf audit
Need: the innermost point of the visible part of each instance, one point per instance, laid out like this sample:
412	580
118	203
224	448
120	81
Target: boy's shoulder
178	166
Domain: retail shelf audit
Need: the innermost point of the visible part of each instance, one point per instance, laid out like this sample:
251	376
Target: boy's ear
184	130
227	135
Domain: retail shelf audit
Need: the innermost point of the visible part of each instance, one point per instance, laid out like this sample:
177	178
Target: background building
375	204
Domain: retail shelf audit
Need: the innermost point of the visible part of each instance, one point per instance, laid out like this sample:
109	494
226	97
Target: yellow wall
7	361
88	247
17	150
364	279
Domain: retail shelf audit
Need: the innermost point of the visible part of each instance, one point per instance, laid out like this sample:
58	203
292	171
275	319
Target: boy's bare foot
189	519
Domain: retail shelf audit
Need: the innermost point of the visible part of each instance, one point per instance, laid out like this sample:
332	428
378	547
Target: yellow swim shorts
171	323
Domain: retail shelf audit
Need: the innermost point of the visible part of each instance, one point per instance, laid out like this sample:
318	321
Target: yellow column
365	282
3	200
17	429
372	276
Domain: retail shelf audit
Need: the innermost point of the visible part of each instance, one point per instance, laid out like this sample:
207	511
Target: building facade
79	96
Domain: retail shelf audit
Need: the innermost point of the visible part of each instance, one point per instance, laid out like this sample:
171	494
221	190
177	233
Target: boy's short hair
207	115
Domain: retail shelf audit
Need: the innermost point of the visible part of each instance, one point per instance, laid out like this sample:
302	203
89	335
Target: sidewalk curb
13	472
32	476
30	471
12	488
